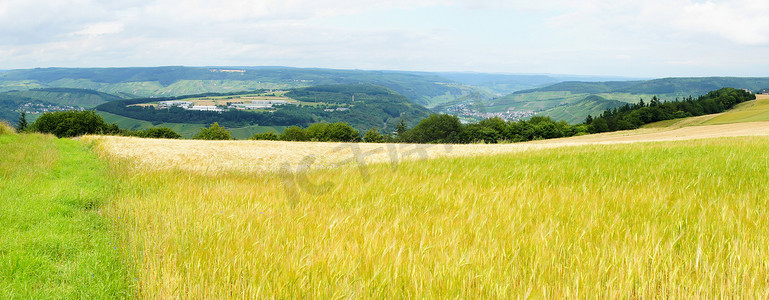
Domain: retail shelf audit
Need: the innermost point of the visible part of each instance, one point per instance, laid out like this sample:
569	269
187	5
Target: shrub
373	136
333	132
159	133
5	128
22	124
293	133
213	132
73	123
434	129
267	136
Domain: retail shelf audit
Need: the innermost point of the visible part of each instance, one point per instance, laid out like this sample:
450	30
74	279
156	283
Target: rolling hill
363	106
751	111
40	100
442	92
664	87
177	81
425	88
554	100
576	112
66	96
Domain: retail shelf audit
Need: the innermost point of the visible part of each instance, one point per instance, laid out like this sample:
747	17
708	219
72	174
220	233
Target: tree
335	132
72	123
213	132
496	123
160	133
400	129
342	132
267	136
22	125
478	133
435	129
293	133
373	136
655	102
600	125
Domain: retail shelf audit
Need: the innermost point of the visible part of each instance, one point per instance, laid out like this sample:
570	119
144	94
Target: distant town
38	108
467	111
252	105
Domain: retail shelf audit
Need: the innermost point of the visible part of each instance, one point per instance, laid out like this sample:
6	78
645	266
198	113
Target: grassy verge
656	220
54	241
752	111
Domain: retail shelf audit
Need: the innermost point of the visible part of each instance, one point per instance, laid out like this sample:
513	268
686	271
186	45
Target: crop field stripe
55	242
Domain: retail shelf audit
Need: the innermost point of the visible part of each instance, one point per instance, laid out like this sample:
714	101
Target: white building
260	104
336	109
243	106
182	104
206	108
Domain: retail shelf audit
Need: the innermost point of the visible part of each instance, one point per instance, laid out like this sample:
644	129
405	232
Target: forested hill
666	87
66	96
363	106
177	81
426	88
37	101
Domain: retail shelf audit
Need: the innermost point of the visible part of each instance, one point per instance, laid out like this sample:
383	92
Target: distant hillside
9	107
580	87
501	84
576	112
363	106
177	81
66	96
564	100
41	100
664	87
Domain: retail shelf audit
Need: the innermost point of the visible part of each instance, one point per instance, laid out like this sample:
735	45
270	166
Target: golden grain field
604	216
214	157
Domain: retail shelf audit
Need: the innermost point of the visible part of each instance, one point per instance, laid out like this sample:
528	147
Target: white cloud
101	29
589	36
742	21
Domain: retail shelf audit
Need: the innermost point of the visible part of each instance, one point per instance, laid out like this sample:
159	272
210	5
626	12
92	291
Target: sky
650	38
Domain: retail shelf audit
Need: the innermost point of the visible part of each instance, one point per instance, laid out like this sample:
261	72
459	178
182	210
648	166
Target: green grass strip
54	241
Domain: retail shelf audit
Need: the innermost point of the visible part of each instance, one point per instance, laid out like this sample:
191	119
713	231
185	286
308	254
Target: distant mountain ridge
177	81
424	88
673	86
559	96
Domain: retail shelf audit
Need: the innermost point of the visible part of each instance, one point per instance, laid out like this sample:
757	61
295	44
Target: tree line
74	123
436	128
634	116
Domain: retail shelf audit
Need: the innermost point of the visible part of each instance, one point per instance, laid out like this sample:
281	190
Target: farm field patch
270	156
660	219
